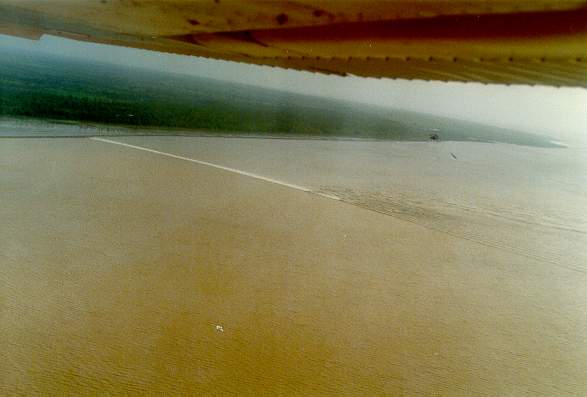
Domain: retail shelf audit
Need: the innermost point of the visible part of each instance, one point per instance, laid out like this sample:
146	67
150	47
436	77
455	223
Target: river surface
445	268
531	201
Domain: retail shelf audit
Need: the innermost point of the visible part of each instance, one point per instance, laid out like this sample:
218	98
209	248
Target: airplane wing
487	41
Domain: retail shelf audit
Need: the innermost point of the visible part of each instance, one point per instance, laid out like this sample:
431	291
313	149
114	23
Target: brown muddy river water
125	271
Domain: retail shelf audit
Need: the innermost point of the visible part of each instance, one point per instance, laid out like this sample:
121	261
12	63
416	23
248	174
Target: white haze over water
560	113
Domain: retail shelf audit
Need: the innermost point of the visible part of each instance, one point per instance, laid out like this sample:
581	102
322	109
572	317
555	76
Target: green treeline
45	87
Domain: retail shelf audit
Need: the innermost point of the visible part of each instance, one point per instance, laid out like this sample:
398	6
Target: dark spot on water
281	19
193	22
318	13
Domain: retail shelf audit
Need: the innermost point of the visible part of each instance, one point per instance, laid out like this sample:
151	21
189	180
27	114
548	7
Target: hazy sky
559	112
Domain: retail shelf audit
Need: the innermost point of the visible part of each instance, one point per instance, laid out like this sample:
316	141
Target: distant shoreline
106	99
114	130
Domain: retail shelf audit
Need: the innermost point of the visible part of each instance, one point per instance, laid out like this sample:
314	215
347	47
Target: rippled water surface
531	201
445	269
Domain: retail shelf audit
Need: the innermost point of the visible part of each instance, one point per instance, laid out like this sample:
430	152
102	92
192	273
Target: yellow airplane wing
488	41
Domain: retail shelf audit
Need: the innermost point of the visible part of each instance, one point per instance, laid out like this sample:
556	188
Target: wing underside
506	42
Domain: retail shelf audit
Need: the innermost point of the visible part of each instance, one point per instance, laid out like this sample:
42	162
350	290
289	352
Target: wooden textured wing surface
508	42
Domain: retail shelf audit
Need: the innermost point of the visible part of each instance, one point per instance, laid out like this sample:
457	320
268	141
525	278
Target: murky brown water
117	266
529	201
